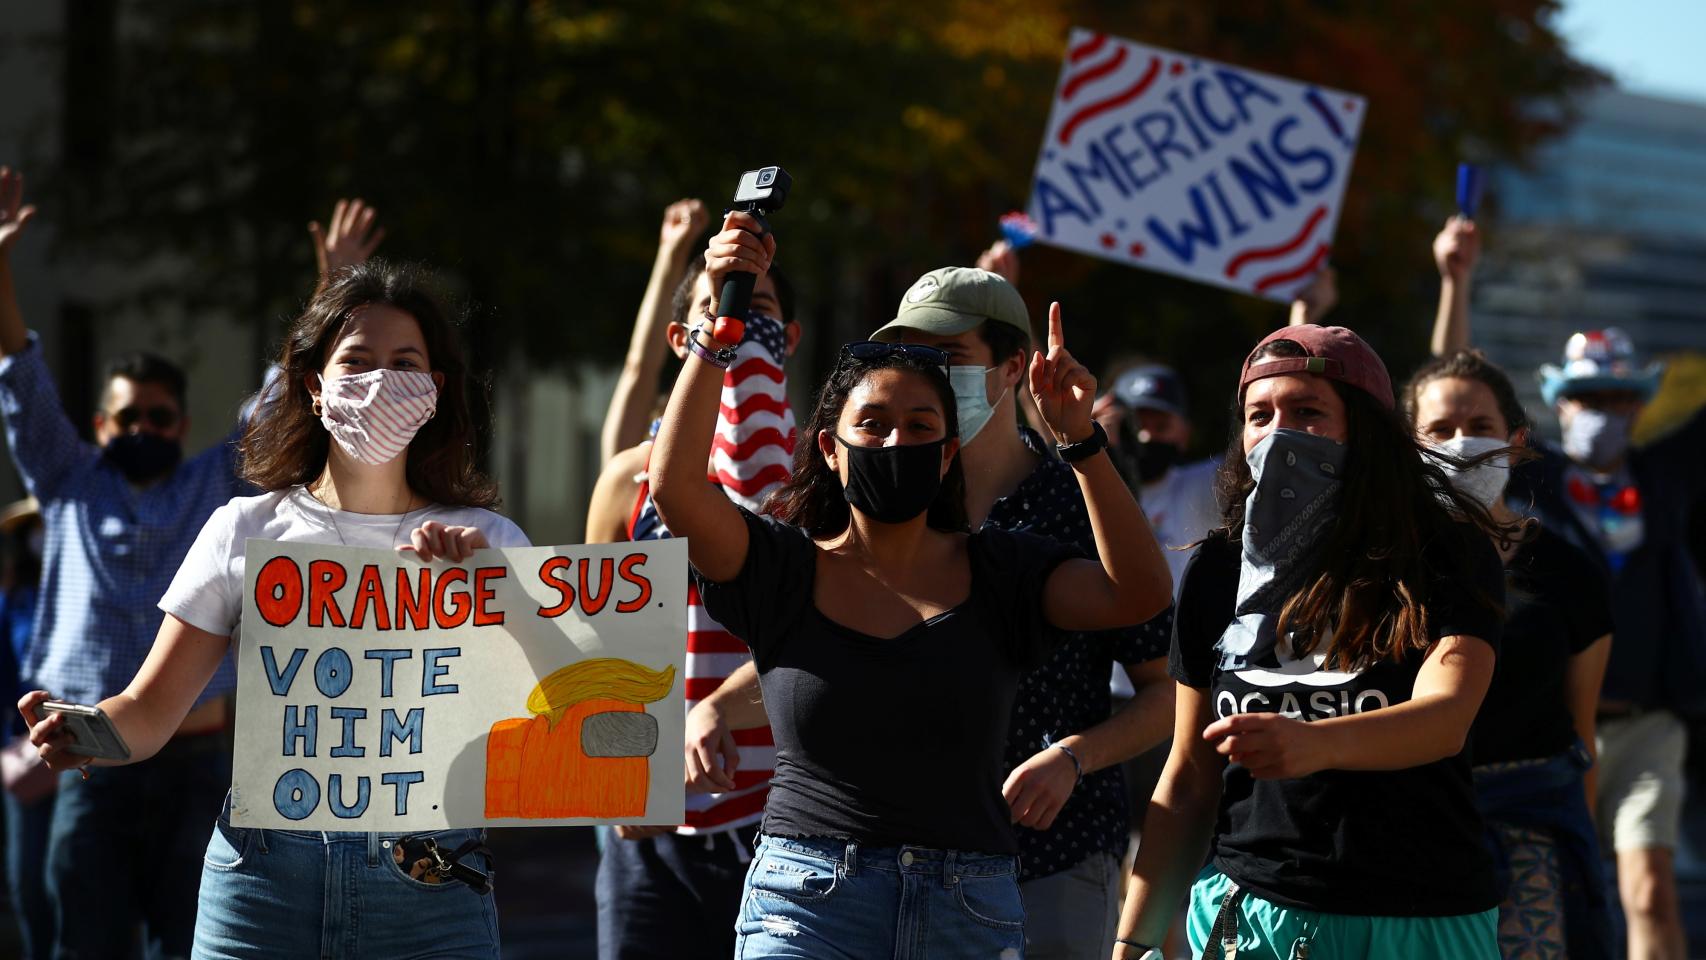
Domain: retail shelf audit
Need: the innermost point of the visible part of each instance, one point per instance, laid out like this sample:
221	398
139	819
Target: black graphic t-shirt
1369	843
1556	606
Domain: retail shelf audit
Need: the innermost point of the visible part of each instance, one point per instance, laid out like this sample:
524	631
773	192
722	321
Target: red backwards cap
1332	352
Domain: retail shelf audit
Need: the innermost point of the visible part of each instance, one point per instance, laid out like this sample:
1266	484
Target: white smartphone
92	731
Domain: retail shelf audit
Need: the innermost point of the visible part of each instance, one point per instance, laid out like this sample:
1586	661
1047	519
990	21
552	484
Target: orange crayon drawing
586	750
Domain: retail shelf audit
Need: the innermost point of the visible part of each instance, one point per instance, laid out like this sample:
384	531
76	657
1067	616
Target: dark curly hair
285	444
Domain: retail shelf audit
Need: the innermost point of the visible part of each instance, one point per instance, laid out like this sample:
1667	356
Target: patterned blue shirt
111	549
1069	693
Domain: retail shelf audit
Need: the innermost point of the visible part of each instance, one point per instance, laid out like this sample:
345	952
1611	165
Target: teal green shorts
1267	931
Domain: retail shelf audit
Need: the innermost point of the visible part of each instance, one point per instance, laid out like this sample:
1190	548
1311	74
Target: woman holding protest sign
1350	587
883	633
364	439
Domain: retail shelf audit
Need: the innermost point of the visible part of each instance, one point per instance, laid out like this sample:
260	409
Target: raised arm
1456	249
1131	582
1317	298
625	419
352	237
13	216
179	666
692	508
1176	829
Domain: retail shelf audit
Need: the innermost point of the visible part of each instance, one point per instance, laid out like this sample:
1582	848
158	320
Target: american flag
753	451
751	455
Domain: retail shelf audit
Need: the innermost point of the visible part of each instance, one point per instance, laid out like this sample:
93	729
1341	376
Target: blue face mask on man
1597	439
971	398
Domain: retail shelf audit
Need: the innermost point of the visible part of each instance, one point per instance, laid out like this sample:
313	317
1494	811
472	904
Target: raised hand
1317	297
1001	259
682	221
738	248
1456	249
13	215
350	240
1064	390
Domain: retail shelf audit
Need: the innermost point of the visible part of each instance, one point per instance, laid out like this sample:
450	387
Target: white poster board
528	686
1175	163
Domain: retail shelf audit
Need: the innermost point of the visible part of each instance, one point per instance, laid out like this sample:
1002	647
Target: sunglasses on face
160	418
867	351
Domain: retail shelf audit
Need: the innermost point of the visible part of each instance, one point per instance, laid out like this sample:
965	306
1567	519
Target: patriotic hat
952	300
1599	360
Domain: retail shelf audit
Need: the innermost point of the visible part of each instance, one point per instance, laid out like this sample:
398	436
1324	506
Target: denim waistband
351	836
854	857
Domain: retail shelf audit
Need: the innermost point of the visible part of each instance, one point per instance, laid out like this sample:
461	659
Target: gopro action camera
760	192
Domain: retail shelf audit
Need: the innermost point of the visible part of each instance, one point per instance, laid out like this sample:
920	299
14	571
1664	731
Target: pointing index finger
1055	337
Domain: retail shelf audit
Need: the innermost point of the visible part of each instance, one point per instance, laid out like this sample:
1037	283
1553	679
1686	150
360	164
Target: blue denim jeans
122	850
675	896
27	828
836	900
296	895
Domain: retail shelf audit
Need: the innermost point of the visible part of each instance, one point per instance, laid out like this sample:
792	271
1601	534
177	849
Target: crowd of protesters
928	633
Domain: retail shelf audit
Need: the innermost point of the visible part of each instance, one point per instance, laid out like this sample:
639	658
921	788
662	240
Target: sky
1650	46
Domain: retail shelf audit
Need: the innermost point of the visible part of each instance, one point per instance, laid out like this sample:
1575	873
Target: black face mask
1153	460
893	484
143	457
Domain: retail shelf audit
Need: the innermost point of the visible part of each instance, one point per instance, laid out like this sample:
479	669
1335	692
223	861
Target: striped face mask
374	415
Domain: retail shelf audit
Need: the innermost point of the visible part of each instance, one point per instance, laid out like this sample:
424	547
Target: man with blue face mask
1064	744
1626	506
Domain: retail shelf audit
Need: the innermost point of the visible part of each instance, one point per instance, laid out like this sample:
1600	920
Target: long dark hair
1468	365
285	444
1371	594
813	499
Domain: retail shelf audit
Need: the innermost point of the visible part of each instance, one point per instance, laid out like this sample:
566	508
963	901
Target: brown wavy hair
285	444
1371	594
813	498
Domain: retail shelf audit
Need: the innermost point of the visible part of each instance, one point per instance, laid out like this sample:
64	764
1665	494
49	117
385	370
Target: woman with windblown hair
1333	642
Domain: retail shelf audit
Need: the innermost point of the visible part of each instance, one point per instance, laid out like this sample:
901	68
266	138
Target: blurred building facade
1607	227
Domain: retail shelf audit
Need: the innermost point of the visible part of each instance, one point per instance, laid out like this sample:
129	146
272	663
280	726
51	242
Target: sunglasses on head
867	351
160	418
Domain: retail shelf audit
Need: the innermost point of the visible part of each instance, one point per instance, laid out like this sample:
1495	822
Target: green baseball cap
952	300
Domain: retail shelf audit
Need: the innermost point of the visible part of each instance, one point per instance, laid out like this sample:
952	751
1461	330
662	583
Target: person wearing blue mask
1625	505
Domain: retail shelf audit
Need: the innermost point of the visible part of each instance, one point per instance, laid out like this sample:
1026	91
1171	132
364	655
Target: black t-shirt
1368	843
890	741
1556	606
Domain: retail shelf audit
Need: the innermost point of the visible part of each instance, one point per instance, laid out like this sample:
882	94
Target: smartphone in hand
92	731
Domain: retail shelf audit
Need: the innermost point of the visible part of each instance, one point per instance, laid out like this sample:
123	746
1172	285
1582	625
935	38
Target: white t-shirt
207	592
1181	507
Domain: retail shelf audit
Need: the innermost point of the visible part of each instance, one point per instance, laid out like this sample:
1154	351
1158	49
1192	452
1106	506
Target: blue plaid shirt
111	549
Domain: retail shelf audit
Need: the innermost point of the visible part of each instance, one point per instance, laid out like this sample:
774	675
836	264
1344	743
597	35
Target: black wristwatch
1088	447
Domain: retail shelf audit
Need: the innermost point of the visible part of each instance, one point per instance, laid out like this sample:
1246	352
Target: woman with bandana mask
1333	641
889	642
365	439
1533	745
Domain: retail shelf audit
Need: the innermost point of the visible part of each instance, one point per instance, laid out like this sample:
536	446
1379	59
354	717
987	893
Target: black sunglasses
160	418
866	351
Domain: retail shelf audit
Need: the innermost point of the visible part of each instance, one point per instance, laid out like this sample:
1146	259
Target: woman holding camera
364	440
889	641
1333	642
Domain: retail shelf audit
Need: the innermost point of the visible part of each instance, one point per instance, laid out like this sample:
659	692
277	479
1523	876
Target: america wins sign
1175	163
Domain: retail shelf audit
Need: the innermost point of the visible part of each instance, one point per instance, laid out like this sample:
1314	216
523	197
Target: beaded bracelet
721	358
1077	768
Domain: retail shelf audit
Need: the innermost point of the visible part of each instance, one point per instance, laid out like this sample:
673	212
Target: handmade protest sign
526	686
1175	163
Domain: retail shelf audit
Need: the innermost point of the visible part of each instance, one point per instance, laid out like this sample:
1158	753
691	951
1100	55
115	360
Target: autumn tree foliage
527	147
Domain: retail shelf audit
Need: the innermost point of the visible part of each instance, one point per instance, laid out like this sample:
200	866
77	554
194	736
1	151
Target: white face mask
1485	482
971	398
374	415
